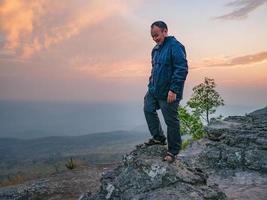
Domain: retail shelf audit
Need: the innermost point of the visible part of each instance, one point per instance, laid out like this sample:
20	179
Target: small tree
190	123
205	99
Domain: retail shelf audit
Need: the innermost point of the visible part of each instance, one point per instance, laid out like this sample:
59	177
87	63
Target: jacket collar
166	39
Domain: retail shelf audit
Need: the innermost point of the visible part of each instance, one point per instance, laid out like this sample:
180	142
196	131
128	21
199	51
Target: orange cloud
105	68
17	20
30	26
90	16
234	61
240	60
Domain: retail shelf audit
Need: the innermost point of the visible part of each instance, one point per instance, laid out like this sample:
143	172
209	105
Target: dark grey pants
170	115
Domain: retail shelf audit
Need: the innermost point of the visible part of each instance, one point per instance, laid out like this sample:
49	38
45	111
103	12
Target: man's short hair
162	25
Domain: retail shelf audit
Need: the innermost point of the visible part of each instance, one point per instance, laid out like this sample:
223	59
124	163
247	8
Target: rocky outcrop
144	175
235	143
231	160
234	154
262	111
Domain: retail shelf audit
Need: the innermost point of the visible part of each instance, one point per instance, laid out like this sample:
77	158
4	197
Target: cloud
244	7
112	69
17	20
234	61
90	40
30	26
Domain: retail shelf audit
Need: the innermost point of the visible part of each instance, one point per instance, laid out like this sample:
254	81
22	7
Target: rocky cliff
144	175
234	154
230	162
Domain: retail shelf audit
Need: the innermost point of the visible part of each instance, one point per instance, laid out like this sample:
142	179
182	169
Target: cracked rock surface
144	175
234	154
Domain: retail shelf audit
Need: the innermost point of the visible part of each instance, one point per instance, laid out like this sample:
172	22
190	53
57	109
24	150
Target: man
165	89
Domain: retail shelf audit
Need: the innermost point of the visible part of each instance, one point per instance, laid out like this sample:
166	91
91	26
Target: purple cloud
244	7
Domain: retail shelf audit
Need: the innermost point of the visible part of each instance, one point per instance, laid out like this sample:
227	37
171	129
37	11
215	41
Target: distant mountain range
33	157
27	120
12	149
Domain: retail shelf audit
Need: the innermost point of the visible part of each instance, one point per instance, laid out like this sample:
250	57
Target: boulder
143	175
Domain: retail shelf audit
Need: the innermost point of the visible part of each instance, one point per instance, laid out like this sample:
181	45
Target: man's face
158	35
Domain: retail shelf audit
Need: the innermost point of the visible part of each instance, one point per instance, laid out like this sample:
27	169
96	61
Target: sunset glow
99	50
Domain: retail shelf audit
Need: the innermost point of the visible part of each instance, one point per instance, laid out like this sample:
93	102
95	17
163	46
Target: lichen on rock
143	175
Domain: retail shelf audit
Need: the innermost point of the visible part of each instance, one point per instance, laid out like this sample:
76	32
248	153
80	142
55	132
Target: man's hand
171	97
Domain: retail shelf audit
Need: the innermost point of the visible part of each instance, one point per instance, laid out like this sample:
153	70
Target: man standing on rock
165	89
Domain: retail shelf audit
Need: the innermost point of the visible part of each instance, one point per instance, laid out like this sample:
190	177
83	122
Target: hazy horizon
33	119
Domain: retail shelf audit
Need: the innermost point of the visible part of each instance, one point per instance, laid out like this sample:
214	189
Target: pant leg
151	105
171	118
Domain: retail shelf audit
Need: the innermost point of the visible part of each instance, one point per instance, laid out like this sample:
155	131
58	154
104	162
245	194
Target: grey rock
256	160
144	175
242	145
234	154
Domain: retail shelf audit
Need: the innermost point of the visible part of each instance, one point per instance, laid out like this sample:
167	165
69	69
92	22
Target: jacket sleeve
151	73
180	68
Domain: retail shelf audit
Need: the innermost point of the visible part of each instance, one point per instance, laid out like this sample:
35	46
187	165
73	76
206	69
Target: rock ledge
143	175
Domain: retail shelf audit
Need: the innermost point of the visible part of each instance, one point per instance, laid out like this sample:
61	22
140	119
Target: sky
99	50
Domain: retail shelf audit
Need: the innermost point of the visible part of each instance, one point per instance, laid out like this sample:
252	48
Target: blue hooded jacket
169	69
